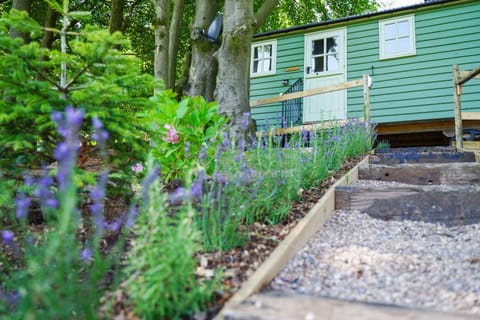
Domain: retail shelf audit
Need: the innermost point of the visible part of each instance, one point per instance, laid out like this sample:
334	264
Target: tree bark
233	77
20	5
175	28
203	65
116	16
50	21
161	29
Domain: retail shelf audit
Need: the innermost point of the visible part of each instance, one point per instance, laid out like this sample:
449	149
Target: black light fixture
214	30
286	82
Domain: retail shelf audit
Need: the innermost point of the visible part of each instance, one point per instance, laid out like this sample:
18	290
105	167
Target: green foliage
293	13
194	125
160	271
100	79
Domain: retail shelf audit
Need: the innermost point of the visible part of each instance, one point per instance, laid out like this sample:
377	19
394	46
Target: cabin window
397	37
263	59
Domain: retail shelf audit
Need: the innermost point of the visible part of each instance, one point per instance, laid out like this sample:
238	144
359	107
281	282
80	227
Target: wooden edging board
295	240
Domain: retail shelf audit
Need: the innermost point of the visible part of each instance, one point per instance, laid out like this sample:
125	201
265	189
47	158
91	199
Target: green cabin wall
410	88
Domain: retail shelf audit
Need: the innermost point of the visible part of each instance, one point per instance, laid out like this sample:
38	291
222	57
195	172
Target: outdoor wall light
286	82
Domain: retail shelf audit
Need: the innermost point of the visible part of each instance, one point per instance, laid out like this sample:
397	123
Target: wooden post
457	91
366	99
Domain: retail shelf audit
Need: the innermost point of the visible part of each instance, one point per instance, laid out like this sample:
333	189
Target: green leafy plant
184	133
160	271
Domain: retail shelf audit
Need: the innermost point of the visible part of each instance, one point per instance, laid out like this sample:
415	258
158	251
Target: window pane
390	31
403	45
318	64
332	45
255	66
267	65
318	47
390	47
255	52
332	62
403	29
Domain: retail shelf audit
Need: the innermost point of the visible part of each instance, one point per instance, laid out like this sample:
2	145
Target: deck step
451	205
461	173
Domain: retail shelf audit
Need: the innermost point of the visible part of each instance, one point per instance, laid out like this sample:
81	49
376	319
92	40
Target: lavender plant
56	265
160	271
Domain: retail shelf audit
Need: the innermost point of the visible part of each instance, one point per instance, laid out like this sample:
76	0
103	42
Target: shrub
99	79
185	134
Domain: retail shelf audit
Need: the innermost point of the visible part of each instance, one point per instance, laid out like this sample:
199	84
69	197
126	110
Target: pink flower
137	168
172	135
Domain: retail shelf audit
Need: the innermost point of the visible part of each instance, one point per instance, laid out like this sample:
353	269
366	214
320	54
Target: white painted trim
274	58
412	38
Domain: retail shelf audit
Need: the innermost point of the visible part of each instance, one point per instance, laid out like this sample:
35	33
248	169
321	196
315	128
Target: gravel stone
407	263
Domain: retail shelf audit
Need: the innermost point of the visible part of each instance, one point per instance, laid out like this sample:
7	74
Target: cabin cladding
409	52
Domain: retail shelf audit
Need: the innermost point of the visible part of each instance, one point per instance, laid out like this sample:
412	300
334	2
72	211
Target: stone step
289	306
461	173
451	205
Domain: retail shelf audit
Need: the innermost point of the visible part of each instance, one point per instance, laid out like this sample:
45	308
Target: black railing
292	110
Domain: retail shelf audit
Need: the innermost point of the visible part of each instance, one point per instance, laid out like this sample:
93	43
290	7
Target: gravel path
407	263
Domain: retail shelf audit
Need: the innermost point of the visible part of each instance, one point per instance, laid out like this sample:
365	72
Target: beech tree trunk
21	5
161	26
116	16
233	77
203	65
175	28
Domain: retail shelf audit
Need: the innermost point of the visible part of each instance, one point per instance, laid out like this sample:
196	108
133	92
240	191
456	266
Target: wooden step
288	306
461	173
422	157
451	205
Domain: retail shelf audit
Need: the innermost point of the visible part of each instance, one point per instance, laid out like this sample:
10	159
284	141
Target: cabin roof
423	5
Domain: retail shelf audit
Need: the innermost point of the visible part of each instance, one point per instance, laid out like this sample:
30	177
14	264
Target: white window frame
273	70
411	23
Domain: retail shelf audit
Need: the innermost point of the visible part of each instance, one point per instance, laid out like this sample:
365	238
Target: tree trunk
161	27
175	28
116	16
50	21
20	5
233	57
203	67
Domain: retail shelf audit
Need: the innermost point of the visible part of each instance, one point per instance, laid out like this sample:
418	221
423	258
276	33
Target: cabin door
324	66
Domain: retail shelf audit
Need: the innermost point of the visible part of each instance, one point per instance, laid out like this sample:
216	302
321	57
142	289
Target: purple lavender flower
147	182
44	192
97	195
68	126
225	141
203	154
7	236
114	225
132	214
245	121
86	254
196	190
23	203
